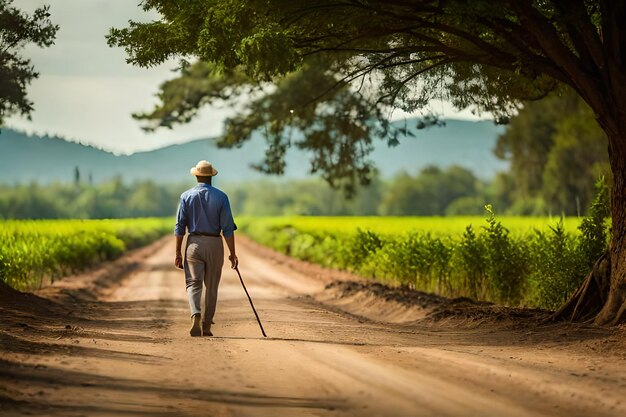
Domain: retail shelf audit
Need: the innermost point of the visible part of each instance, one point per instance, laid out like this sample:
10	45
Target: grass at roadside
34	250
510	260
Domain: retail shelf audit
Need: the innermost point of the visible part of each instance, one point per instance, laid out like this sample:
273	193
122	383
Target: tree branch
547	37
576	11
403	83
524	43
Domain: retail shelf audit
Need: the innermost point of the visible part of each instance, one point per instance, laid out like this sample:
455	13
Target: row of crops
511	260
34	251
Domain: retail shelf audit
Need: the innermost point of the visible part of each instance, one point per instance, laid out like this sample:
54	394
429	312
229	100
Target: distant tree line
555	148
113	199
433	191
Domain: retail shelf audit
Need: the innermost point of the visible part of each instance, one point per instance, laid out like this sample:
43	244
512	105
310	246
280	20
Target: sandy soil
114	342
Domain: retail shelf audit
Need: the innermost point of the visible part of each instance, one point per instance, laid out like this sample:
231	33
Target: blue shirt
204	209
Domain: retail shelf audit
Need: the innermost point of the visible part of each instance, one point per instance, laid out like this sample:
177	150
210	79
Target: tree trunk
602	296
614	309
591	296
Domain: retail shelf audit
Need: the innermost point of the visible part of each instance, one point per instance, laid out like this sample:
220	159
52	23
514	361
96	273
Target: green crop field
440	226
510	260
32	251
528	261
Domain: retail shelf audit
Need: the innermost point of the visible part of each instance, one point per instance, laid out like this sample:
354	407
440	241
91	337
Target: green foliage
594	236
430	192
405	259
546	142
384	225
556	265
467	205
535	264
561	261
419	260
267	39
338	69
506	261
314	110
112	199
360	245
199	84
472	264
17	29
301	197
302	246
34	251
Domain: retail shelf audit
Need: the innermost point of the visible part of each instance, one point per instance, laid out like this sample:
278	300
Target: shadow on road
132	396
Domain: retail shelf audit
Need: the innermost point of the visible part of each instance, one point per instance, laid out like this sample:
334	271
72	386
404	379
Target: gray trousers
204	258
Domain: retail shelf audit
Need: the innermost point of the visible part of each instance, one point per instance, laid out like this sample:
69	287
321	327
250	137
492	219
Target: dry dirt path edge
114	343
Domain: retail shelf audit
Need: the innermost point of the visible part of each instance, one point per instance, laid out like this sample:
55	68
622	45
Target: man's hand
178	262
234	261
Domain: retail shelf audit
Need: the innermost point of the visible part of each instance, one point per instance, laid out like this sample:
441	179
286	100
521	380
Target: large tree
487	55
17	29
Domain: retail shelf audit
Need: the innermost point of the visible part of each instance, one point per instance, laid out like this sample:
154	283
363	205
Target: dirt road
129	353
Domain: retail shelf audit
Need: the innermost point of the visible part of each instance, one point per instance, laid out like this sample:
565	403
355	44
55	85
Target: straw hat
203	169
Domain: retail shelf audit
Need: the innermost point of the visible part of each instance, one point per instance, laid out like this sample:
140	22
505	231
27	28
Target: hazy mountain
45	159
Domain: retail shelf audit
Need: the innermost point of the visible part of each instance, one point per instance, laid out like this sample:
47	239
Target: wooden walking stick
250	299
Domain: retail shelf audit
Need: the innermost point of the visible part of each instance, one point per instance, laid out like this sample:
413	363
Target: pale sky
86	92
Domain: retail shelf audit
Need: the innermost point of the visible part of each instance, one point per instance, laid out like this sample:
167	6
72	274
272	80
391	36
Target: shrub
594	233
304	246
506	263
534	267
557	268
471	265
362	244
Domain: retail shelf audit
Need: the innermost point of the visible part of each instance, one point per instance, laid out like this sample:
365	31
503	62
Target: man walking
205	212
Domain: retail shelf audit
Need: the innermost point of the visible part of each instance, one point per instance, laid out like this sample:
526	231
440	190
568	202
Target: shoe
206	329
195	326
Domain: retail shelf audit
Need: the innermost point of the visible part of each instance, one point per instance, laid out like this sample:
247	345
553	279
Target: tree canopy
336	127
17	29
360	60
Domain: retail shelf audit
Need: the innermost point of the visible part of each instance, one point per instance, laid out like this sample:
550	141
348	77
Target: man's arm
179	257
179	231
227	223
230	242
